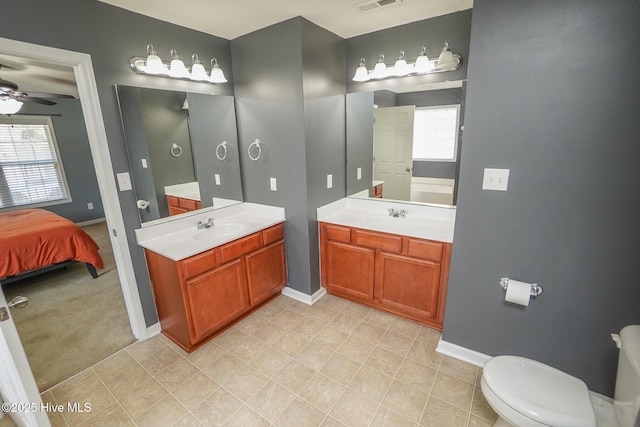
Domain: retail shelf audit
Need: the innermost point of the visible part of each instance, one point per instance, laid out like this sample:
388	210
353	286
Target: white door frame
87	88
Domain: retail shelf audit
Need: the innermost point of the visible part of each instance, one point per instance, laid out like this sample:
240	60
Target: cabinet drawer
385	242
172	201
188	203
377	190
338	234
273	234
424	249
240	247
199	263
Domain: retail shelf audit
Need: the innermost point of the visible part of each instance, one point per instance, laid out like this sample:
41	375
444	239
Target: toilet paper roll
142	204
518	292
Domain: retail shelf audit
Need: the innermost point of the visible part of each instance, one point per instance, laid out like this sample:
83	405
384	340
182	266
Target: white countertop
422	221
180	238
188	190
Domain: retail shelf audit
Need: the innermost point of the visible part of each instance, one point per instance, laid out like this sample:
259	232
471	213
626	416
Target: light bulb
177	68
423	64
446	61
217	76
380	70
362	74
400	68
197	69
154	64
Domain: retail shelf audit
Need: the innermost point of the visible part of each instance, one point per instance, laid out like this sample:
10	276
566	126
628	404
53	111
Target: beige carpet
72	321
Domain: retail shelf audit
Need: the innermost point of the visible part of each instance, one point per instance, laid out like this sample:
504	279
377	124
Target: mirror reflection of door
393	150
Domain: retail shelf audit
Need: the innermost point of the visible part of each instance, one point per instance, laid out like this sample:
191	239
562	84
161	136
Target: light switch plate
359	173
329	181
274	185
495	179
124	181
144	163
216	176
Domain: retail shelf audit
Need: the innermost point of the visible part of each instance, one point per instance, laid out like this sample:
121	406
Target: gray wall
288	77
549	98
111	36
73	144
360	141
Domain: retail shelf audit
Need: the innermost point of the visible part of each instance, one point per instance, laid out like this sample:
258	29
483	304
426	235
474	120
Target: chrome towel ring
222	156
176	150
256	144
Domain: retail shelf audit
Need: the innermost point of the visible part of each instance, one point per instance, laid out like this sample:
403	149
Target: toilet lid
540	392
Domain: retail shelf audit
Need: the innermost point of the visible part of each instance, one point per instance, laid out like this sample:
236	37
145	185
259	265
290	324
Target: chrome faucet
397	213
207	224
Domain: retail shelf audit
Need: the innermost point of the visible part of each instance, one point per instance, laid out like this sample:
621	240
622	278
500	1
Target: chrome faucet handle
403	212
392	212
200	225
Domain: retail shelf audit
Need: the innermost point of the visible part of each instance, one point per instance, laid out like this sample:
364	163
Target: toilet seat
539	393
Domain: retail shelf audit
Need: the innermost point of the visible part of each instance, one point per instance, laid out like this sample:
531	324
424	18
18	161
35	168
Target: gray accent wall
360	141
111	36
73	144
290	95
553	96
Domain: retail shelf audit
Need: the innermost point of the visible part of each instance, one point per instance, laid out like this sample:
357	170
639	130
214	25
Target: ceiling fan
11	98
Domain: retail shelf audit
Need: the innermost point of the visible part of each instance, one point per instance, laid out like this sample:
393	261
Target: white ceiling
233	18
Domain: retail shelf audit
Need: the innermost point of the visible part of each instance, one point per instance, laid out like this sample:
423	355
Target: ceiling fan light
10	106
198	72
362	74
423	64
217	75
153	64
177	68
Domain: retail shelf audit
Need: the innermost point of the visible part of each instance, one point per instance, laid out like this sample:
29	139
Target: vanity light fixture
153	65
447	61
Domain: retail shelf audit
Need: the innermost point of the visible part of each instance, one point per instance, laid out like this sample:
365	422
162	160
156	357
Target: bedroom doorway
80	64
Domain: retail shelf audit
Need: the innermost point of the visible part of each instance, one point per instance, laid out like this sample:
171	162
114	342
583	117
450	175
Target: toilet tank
627	391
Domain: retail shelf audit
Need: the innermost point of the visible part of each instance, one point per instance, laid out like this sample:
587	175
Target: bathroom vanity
205	279
399	264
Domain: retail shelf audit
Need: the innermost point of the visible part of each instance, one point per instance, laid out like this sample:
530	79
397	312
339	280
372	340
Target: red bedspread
35	238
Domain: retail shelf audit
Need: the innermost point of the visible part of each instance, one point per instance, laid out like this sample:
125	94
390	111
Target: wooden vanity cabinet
178	205
404	275
200	296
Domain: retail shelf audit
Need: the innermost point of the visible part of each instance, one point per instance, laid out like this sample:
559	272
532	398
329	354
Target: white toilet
526	393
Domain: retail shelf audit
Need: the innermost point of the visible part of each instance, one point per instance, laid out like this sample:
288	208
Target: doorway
85	80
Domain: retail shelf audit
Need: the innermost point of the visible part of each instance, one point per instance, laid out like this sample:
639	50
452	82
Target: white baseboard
302	297
90	222
462	353
153	330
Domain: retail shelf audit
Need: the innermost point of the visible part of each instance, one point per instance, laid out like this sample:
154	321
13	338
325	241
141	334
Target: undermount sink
220	230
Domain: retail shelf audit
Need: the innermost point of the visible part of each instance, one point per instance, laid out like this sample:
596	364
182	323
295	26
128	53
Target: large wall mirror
405	145
183	151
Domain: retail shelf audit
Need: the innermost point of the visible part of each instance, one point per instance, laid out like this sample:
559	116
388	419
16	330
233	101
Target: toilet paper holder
535	288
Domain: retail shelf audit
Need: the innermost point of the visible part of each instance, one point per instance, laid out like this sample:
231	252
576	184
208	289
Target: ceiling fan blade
48	95
35	100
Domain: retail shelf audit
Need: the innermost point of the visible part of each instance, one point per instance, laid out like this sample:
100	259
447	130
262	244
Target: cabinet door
408	285
216	298
349	270
266	272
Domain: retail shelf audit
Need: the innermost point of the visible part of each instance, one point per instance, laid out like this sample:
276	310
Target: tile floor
335	363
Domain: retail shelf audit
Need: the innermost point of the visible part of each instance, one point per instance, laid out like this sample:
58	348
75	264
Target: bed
35	240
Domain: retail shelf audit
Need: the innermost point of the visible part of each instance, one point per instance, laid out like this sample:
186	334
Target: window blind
30	168
435	133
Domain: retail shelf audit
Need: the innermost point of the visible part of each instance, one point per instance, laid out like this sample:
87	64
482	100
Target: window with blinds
31	172
435	133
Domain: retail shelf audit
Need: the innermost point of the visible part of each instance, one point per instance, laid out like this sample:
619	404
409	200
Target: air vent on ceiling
369	6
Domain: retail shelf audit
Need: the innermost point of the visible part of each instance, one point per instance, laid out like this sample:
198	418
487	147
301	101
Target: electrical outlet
329	181
274	186
144	163
495	179
359	173
90	206
217	178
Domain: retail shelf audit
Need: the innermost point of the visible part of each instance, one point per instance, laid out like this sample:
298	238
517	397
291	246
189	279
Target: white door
18	389
393	150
